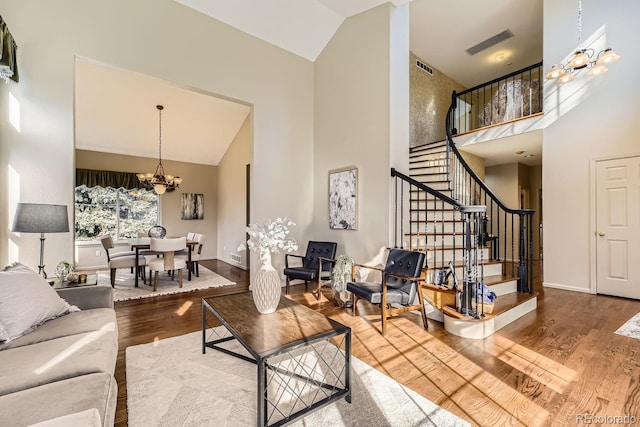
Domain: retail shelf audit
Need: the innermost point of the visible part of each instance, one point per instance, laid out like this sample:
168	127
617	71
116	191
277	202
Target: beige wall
606	117
476	163
201	179
199	52
430	100
535	186
503	181
357	110
232	196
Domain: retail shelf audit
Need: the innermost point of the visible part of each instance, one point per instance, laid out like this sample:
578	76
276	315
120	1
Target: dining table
142	243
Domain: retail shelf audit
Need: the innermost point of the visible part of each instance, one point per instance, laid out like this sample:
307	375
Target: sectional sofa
58	352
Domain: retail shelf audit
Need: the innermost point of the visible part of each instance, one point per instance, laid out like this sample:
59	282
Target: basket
488	307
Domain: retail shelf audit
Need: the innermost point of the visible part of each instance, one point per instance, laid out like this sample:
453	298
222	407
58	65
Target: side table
92	280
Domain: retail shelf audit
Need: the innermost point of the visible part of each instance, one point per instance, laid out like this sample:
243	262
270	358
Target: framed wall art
343	198
192	206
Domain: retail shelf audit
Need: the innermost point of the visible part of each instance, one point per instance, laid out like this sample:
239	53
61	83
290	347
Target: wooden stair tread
426	149
440	143
440	247
427	170
438	221
502	304
447	208
498	279
460	263
431	287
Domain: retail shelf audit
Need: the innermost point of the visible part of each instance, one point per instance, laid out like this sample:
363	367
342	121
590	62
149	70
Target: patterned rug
171	383
631	328
125	290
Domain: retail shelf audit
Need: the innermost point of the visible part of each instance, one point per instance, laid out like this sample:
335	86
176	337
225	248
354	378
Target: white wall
232	195
358	112
164	39
603	124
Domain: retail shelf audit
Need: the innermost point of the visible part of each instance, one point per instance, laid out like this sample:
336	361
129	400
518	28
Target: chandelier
582	58
159	181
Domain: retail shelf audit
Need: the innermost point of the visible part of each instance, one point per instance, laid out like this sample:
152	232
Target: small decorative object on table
265	239
63	269
342	275
73	277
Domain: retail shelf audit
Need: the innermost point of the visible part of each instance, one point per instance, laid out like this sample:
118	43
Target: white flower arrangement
270	237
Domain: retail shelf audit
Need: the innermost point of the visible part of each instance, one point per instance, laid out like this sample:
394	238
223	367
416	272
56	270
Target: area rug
631	328
125	290
171	383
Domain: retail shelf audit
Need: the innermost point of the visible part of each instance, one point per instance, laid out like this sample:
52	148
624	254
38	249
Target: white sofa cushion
88	418
26	301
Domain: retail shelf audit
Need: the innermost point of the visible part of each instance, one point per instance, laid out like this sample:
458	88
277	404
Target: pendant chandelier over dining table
159	181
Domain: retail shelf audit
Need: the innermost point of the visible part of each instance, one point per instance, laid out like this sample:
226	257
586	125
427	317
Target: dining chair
197	252
108	245
124	259
169	262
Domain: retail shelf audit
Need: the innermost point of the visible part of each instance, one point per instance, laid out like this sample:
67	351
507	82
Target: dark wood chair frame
386	310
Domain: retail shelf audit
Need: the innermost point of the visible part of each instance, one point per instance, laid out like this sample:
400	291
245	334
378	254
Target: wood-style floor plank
544	369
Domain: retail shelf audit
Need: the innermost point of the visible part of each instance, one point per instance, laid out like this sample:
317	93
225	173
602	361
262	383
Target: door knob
601	233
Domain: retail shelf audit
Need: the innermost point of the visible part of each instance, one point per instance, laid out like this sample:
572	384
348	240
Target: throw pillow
26	301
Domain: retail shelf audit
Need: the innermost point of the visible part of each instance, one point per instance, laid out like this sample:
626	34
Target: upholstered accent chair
397	291
168	262
121	259
316	265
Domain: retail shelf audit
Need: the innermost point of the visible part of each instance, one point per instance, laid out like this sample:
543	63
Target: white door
618	227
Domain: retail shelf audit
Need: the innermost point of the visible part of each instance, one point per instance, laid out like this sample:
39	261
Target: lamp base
41	271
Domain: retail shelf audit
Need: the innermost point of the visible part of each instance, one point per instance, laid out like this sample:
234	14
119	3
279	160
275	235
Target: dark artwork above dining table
192	206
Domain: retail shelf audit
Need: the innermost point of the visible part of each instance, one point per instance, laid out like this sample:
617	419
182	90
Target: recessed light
530	155
500	57
519	152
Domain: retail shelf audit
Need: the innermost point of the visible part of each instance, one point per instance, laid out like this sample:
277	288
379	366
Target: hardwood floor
550	367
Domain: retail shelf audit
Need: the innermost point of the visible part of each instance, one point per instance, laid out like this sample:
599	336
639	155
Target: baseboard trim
567	288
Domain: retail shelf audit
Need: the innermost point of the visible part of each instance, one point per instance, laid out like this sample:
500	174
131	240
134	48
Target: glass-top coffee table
303	357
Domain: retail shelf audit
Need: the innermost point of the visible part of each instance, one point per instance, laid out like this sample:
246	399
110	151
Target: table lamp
38	218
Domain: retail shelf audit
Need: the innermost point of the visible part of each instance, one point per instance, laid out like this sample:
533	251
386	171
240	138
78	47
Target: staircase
444	209
437	228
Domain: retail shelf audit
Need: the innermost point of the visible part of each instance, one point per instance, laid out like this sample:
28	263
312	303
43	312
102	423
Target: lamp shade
39	218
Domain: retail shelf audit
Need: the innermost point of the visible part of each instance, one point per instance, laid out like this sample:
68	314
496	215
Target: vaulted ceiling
199	127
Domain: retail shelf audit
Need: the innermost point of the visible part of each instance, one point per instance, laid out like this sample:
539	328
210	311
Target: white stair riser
429	204
439	227
429	149
433	165
434	185
493	269
423	240
438	216
433	154
432	175
447	254
505	288
482	329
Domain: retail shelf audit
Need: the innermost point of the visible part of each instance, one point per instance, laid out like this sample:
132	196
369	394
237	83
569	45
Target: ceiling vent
424	67
506	34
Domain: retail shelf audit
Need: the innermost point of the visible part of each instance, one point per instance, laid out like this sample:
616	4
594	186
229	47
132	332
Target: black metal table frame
262	365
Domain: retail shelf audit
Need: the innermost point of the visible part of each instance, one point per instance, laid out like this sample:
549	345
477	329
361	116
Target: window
118	212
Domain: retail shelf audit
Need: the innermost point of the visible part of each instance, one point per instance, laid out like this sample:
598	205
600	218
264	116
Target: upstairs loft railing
511	97
508	231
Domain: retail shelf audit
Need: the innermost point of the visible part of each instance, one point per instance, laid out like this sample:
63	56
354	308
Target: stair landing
507	309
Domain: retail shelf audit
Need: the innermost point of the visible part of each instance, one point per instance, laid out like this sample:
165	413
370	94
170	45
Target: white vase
266	287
